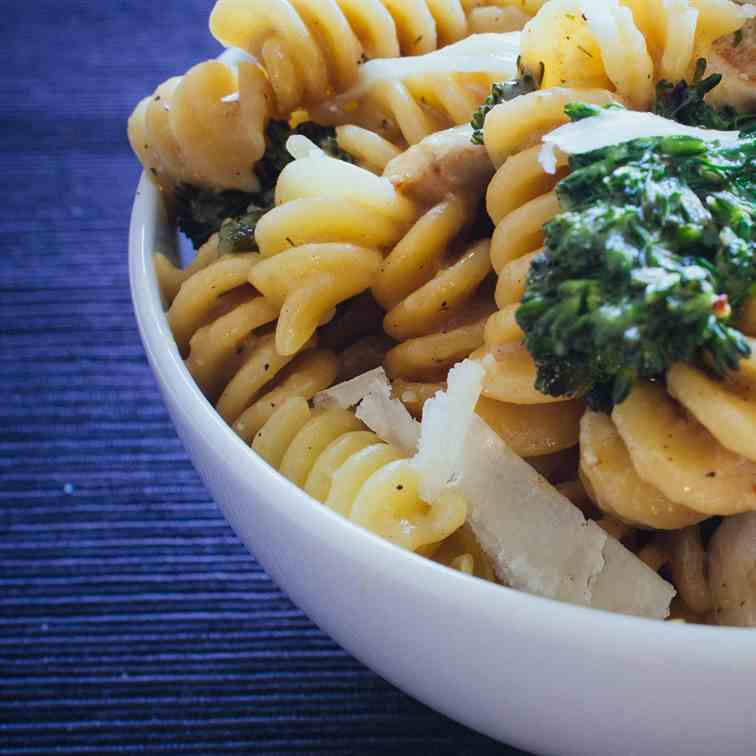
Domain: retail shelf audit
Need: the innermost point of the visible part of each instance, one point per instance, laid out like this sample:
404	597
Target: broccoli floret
685	103
653	254
201	212
238	234
503	91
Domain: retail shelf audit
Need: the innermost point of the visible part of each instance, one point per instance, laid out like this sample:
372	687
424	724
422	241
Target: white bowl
541	675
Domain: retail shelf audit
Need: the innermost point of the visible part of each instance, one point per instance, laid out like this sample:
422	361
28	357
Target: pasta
677	455
399	239
171	277
431	303
323	242
616	462
204	128
312	48
625	45
219	322
338	462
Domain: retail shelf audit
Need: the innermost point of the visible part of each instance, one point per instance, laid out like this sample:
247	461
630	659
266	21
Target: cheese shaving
350	393
389	418
537	539
615	127
441	453
494	54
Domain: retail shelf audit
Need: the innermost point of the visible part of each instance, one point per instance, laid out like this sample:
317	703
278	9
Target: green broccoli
685	103
503	91
652	255
201	212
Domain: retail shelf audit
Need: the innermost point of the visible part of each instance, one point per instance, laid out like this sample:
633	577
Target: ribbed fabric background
131	619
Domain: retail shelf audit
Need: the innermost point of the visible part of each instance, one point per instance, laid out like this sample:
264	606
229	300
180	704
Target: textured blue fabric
131	619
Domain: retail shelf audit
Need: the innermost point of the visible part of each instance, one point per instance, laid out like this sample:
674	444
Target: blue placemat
131	619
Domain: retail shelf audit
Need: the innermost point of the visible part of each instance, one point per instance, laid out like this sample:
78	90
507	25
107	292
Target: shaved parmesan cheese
643	592
538	540
350	393
441	454
388	417
491	54
381	413
615	127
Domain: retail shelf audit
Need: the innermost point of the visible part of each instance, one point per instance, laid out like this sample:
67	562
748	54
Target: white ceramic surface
543	676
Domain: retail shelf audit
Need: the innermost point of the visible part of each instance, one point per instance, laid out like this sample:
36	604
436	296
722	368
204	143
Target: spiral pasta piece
313	371
590	43
308	282
324	241
368	149
349	469
408	99
725	407
430	357
624	45
613	484
520	200
170	276
680	457
206	128
221	325
311	48
431	284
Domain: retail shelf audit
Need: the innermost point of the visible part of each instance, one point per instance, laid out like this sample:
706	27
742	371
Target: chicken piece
444	162
732	571
734	56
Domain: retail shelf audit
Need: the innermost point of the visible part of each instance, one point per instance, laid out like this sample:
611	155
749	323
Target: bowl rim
149	229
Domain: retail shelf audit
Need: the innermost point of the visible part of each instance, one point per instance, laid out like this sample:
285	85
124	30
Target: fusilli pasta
389	260
311	49
221	325
205	128
323	243
338	462
432	292
624	45
623	471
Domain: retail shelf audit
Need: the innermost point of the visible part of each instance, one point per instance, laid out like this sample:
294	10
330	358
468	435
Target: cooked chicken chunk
441	163
734	56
